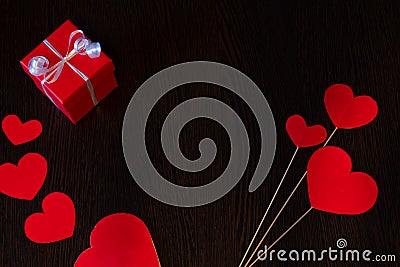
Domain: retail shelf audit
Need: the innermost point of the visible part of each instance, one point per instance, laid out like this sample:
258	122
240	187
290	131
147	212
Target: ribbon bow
39	65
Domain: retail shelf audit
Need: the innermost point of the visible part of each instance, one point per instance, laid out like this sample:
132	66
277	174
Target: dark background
293	52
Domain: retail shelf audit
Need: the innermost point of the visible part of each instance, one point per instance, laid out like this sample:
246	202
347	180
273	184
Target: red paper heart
57	222
332	187
25	180
119	240
18	132
303	135
347	112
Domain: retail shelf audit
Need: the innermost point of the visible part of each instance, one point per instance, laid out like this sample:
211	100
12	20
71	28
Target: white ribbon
39	65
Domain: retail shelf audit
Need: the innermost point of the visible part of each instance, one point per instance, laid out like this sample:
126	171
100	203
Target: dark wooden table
293	52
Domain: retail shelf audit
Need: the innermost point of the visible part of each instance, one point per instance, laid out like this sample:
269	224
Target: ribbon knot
39	65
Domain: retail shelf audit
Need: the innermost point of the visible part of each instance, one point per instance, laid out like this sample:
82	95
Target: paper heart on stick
347	111
332	187
303	135
18	132
119	240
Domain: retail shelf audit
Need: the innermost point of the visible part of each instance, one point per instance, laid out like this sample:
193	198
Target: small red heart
119	240
25	180
332	187
18	132
303	135
347	112
57	222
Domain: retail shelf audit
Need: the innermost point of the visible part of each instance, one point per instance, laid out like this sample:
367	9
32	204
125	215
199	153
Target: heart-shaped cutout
57	222
347	111
332	187
25	180
119	240
303	135
18	132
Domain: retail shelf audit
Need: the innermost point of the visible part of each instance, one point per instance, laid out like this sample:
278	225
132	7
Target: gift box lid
69	81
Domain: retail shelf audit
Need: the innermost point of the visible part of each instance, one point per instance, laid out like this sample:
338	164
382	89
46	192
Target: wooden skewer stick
284	205
276	218
269	206
279	238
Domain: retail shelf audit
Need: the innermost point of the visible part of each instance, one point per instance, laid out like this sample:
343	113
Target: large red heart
332	187
303	135
57	222
25	180
119	240
18	132
347	112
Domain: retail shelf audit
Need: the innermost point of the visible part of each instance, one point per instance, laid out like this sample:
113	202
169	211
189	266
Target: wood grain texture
291	51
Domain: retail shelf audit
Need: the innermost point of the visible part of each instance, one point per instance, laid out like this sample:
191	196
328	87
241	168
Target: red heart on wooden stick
18	132
57	222
25	180
303	135
119	240
347	111
332	187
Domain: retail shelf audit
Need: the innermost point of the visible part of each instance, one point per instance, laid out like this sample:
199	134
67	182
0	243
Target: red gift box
78	82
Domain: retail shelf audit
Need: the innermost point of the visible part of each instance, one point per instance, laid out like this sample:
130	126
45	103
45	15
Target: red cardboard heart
57	222
332	187
303	135
347	112
119	240
18	132
25	180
